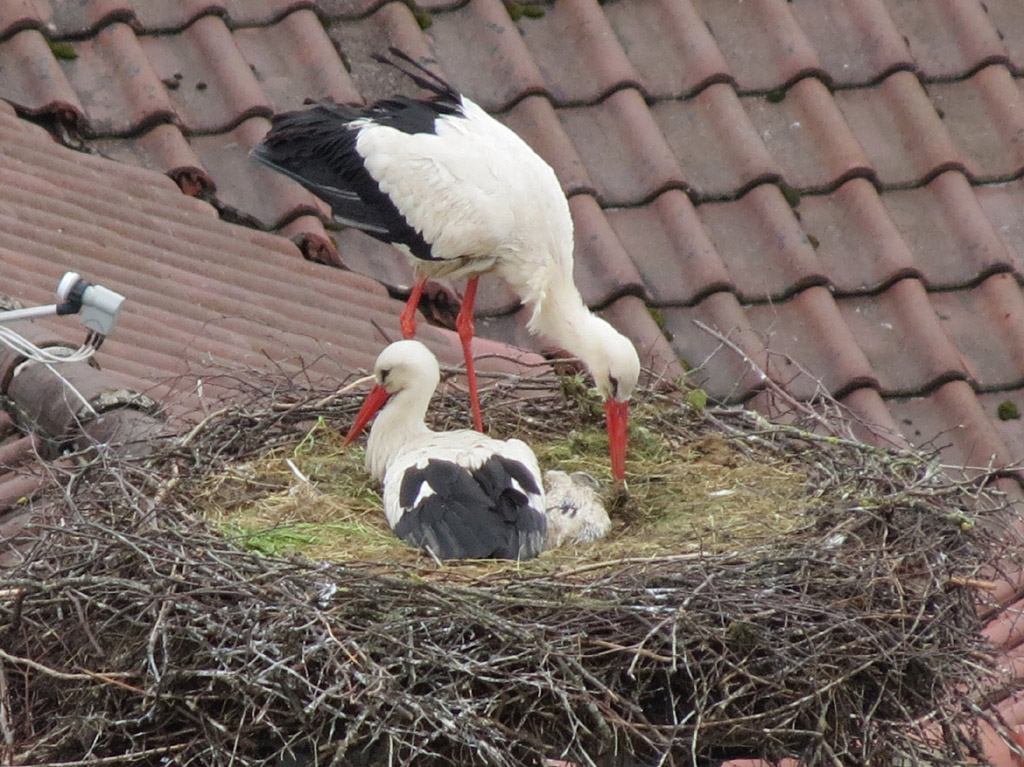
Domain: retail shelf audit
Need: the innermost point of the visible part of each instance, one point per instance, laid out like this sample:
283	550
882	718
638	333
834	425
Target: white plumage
461	195
458	494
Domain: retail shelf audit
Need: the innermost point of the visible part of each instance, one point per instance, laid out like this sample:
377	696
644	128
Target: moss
1008	411
63	50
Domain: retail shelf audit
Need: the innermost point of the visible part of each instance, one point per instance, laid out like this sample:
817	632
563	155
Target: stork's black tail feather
423	77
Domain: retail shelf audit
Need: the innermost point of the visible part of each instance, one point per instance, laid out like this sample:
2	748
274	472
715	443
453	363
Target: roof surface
828	189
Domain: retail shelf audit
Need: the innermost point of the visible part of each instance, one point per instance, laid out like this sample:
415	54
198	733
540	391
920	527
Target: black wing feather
471	515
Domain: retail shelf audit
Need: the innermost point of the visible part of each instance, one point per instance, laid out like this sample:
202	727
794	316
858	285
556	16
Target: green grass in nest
684	494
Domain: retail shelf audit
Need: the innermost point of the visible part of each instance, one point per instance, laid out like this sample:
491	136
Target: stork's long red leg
464	324
408	318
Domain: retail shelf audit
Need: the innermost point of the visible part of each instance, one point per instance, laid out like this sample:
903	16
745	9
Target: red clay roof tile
139	99
205	76
1002	205
952	241
33	80
903	339
603	269
352	9
855	239
392	24
898	128
807	333
951	419
172	17
162	149
761	222
1007	16
670	248
721	152
630	315
761	41
711	363
873	422
16	15
248	13
622	148
88	16
984	115
577	52
808	137
856	41
997	407
987	324
497	70
295	60
948	38
678	61
535	120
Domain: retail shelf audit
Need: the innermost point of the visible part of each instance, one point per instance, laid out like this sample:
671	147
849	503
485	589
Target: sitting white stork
460	195
457	494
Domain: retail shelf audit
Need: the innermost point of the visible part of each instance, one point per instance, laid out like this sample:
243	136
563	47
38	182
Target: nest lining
133	631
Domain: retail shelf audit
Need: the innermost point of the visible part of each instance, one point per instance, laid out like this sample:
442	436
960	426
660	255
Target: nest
134	631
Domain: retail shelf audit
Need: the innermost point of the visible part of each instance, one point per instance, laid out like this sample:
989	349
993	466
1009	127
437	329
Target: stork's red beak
374	401
617	418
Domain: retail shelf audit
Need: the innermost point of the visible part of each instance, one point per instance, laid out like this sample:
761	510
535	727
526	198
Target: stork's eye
384	375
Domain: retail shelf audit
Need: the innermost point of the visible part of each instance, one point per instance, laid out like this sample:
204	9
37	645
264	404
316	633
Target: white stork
460	195
457	494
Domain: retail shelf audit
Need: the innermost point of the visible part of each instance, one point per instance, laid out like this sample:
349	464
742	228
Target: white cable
26	348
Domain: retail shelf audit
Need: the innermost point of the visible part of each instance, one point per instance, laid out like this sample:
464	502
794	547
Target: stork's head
404	366
615	365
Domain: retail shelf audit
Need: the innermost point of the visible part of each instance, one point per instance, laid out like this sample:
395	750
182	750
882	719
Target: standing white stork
458	494
460	195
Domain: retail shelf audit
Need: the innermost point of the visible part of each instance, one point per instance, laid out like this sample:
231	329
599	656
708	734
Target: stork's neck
561	316
399	422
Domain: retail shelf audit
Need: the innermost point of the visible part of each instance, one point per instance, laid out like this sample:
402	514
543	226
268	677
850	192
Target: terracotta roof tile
857	42
294	60
249	190
855	239
1007	16
535	120
952	241
903	339
33	80
1003	424
172	17
140	100
88	16
873	422
603	269
247	13
497	70
985	117
987	324
164	149
899	129
622	148
391	24
948	38
353	9
16	15
762	222
577	52
718	146
808	137
1002	204
761	41
678	61
807	333
710	363
206	78
670	248
951	418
